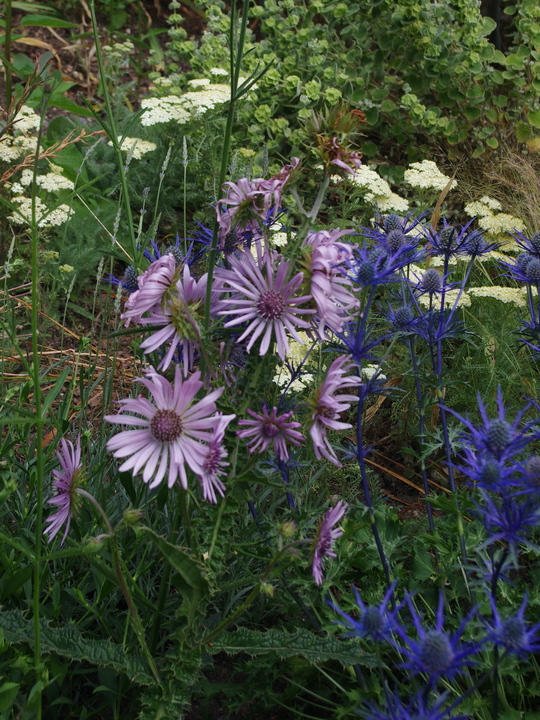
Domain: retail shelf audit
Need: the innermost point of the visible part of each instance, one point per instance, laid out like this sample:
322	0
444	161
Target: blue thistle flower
373	266
418	708
514	634
529	245
509	519
374	623
435	652
451	241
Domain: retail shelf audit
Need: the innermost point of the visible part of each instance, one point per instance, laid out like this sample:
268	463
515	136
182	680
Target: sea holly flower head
514	634
261	296
326	407
326	536
451	241
373	266
434	651
529	245
66	483
508	518
419	707
173	431
269	428
374	622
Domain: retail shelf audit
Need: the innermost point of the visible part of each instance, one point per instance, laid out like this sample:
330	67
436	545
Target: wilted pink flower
266	302
329	286
272	189
326	536
214	462
342	157
66	482
178	315
327	407
269	428
153	285
173	431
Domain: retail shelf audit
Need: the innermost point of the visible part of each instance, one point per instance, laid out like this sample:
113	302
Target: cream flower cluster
278	239
23	216
480	208
16	146
497	224
295	356
518	296
51	182
450	298
203	96
368	371
427	175
378	190
135	146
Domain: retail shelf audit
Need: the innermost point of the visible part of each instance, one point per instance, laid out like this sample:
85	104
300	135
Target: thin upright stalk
7	52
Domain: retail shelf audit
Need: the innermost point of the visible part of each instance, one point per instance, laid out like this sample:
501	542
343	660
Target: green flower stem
139	631
236	53
7	51
38	423
112	134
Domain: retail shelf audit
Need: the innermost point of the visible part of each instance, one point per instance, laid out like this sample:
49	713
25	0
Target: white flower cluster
16	146
450	298
23	216
497	224
368	371
378	190
295	357
51	182
135	146
427	175
219	72
203	96
518	296
278	239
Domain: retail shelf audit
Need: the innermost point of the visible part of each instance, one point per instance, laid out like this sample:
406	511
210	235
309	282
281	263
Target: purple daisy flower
178	315
172	431
435	652
153	285
66	481
269	428
326	536
326	407
266	302
214	462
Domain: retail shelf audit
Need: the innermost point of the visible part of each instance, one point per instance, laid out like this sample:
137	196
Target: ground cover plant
220	370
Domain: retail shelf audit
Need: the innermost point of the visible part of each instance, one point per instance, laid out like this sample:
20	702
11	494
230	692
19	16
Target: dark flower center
212	461
513	633
436	653
532	468
270	305
533	270
499	434
403	316
395	240
446	237
130	279
166	426
372	621
535	241
270	430
366	273
490	474
326	412
392	222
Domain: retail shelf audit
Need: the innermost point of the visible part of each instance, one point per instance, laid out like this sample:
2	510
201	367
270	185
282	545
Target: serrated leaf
285	645
68	642
45	21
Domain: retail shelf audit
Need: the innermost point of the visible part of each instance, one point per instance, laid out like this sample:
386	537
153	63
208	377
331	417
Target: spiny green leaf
68	642
302	642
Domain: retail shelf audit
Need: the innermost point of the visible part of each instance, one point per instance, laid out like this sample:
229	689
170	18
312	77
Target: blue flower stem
284	470
497	569
421	429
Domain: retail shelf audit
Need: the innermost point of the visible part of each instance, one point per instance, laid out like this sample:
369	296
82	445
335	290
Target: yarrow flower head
172	431
266	302
326	536
269	428
326	407
66	482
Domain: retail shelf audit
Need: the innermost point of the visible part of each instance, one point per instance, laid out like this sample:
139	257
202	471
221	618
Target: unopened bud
287	529
267	589
132	516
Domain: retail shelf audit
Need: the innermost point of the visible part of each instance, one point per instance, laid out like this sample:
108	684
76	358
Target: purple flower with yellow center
435	652
265	301
326	537
66	483
374	622
269	428
514	634
325	407
172	431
